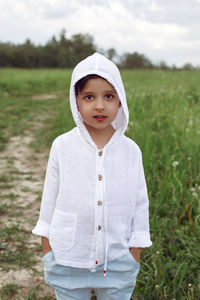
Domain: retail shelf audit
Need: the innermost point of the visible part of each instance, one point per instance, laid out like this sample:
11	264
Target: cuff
42	229
139	240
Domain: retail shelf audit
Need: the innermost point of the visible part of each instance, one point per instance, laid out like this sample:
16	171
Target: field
164	121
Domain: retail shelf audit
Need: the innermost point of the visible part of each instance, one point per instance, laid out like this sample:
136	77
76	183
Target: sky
162	30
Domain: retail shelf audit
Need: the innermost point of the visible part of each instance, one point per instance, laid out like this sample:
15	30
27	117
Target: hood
100	65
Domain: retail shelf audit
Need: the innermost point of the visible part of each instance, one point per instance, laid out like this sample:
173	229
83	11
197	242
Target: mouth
100	117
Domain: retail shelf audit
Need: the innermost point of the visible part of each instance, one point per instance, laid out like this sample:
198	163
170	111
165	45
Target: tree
111	53
135	61
163	66
82	46
188	67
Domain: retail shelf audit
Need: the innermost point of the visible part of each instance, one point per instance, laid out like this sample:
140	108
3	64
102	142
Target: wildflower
192	189
131	123
198	131
199	187
190	286
157	252
187	129
175	163
194	194
190	122
189	158
157	286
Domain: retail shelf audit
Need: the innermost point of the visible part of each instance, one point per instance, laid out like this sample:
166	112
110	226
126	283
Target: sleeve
140	236
49	195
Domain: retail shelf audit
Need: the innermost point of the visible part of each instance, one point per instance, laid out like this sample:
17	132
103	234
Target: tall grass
165	122
165	111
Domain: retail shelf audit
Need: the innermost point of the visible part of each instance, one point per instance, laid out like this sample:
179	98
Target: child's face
98	104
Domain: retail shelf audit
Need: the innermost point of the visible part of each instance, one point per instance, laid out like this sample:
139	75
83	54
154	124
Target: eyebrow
106	92
110	91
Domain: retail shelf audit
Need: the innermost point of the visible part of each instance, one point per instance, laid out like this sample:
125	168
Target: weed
33	294
14	248
4	208
9	290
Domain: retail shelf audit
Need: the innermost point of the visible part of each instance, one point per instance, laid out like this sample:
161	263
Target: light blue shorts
76	284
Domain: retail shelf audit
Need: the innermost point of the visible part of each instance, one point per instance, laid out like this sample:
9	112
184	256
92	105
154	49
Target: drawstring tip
104	272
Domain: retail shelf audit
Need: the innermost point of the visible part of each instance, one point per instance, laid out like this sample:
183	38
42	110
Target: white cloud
125	31
157	28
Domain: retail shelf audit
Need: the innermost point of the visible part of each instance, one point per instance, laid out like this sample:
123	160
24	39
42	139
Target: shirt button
100	153
99	227
100	177
99	202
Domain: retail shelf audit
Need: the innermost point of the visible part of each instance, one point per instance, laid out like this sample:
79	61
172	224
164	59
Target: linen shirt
94	203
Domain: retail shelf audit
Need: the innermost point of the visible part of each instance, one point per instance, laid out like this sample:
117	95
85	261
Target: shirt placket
99	206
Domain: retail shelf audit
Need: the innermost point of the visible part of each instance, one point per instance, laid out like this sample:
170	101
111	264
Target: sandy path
27	169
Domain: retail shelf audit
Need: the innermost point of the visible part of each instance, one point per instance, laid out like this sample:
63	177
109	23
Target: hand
136	253
45	245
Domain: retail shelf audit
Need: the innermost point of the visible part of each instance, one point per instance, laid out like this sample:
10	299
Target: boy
94	211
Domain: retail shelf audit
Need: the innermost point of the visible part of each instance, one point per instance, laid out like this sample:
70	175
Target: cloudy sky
160	29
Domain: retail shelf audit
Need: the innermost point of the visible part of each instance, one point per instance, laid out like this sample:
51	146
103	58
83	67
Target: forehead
97	84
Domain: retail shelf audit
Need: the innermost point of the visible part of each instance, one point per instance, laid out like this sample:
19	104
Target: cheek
83	111
115	110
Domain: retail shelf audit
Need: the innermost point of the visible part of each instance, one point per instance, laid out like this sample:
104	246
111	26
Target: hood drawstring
106	258
105	224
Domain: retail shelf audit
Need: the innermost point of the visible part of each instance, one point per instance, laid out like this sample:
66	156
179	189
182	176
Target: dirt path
22	172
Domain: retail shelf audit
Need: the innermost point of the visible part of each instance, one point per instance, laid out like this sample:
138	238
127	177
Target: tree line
67	52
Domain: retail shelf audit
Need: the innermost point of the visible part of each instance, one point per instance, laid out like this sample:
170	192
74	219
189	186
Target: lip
99	118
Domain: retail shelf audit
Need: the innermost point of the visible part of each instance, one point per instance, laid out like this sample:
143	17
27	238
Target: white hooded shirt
94	203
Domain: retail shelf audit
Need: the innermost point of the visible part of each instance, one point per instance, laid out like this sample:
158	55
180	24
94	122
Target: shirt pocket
62	230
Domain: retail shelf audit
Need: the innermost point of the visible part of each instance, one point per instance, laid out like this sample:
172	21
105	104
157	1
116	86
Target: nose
99	104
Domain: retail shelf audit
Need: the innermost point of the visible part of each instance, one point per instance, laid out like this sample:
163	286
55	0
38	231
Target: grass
12	291
9	290
4	208
165	122
18	109
166	114
14	248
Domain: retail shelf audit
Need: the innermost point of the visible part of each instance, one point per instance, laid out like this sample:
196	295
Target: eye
89	97
109	96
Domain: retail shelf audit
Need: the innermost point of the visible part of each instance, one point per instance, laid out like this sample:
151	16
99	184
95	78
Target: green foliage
136	61
164	121
62	53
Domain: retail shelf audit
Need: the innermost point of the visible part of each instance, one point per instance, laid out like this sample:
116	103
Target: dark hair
81	83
